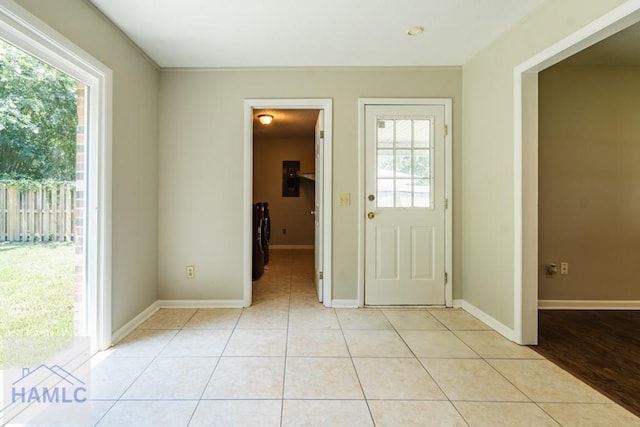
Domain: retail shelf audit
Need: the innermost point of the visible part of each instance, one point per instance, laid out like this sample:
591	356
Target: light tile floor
287	361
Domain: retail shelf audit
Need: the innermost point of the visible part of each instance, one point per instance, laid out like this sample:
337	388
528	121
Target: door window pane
421	163
421	193
404	162
404	159
404	132
385	133
385	193
404	193
421	133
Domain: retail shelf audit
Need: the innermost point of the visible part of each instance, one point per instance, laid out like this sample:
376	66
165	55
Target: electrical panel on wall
290	178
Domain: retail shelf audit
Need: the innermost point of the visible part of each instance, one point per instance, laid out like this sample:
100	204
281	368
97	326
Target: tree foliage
38	118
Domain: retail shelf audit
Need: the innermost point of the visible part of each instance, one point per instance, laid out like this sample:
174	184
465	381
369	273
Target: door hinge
320	275
446	203
446	130
446	278
321	134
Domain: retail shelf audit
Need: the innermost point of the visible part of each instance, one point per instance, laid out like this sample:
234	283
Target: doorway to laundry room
284	187
288	204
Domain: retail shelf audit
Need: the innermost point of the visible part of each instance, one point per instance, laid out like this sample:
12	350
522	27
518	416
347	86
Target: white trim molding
294	247
496	325
588	305
196	303
131	325
345	303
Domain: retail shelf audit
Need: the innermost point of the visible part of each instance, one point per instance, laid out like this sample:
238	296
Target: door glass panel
404	162
385	133
403	133
421	193
385	164
421	164
421	133
385	193
403	193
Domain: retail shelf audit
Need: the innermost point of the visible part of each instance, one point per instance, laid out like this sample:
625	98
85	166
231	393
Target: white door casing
405	209
317	210
325	184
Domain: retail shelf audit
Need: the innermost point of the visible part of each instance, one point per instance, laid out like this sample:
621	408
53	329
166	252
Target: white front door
319	135
405	205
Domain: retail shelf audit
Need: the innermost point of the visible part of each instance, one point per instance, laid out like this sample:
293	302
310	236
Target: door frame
525	159
325	104
448	161
22	29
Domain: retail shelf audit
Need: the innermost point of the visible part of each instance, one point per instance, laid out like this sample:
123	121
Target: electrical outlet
550	270
191	272
564	268
344	199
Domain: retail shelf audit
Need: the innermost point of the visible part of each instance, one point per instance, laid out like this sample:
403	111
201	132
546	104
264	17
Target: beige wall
135	150
201	146
487	151
290	213
589	212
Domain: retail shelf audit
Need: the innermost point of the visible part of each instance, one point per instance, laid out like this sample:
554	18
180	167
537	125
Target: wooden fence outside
45	214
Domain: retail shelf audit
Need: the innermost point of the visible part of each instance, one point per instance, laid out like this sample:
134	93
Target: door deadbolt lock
371	197
371	215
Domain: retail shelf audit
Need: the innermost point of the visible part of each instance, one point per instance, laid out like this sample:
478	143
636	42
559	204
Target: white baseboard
134	323
498	326
187	303
588	305
276	247
344	303
457	303
140	318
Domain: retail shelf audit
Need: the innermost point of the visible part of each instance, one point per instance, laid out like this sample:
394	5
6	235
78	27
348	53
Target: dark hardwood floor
600	347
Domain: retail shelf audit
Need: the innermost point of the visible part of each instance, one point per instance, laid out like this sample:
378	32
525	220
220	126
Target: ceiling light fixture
415	30
265	119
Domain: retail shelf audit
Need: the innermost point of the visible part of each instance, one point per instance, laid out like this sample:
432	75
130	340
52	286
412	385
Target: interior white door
405	205
319	135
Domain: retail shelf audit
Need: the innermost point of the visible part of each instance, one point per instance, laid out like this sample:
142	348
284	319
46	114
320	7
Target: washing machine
258	252
266	231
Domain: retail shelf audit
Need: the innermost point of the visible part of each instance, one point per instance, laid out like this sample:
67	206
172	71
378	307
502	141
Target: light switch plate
345	199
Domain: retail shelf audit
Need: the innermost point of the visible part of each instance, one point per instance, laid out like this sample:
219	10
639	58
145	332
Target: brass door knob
371	215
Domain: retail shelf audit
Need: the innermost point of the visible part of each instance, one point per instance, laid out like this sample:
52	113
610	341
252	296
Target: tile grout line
286	340
215	366
153	359
424	367
364	395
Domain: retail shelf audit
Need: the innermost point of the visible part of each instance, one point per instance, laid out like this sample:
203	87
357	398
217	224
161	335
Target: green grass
36	289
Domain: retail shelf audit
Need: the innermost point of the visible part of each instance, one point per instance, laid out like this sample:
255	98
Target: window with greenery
404	162
38	119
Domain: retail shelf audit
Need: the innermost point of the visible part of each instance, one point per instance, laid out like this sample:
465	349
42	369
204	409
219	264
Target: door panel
422	249
387	252
405	188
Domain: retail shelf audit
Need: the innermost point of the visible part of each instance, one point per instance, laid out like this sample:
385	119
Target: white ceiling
283	33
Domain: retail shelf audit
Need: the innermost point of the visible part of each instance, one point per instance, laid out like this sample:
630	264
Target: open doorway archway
324	185
526	160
